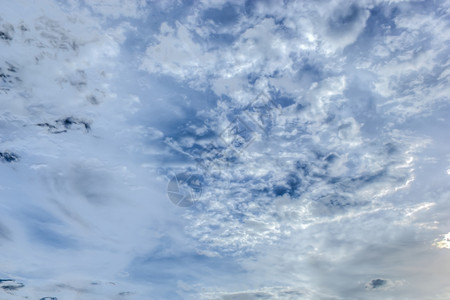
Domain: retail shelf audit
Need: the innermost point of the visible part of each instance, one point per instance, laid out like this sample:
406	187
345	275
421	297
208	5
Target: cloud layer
317	130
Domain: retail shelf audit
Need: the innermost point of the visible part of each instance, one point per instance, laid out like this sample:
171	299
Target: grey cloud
345	18
10	284
53	35
9	157
7	31
376	283
9	76
65	124
275	292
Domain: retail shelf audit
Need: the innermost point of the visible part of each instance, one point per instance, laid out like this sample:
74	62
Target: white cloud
342	173
444	242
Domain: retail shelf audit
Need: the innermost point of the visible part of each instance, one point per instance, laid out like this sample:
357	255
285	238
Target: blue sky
316	132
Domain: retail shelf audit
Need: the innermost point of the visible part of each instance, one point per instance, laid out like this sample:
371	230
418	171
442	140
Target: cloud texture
318	130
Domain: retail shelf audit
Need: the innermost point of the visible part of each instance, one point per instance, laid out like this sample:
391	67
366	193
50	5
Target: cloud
337	155
444	242
377	283
265	293
318	129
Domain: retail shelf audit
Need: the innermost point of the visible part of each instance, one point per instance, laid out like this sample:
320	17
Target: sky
224	149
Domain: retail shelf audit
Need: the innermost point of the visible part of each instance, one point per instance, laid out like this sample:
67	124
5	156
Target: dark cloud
6	31
9	157
10	284
5	36
9	77
377	283
64	124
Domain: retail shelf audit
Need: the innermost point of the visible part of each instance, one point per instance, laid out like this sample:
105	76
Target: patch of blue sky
169	273
223	16
41	233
